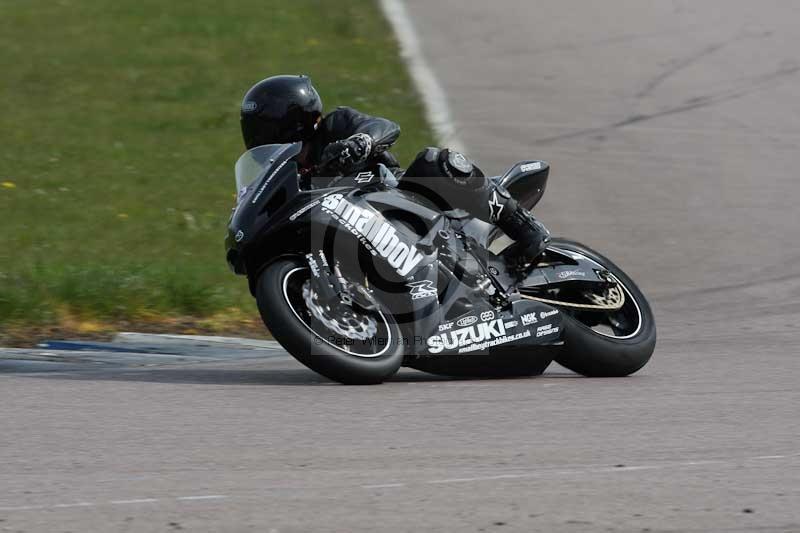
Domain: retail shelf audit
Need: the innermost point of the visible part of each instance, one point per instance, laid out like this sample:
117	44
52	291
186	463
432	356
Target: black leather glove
346	155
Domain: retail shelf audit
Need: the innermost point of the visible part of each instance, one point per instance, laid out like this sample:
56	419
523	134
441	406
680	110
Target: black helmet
280	109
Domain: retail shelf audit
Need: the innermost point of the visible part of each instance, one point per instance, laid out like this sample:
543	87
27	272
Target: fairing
392	240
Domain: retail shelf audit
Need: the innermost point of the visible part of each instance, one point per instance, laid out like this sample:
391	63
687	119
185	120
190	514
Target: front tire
618	354
360	361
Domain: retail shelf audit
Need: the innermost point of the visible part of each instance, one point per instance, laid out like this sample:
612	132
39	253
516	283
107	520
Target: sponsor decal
528	319
487	315
421	289
323	258
464	339
248	106
445	327
570	273
239	236
266	182
312	264
495	342
537	165
377	235
511	324
547	329
364	177
466	321
495	208
304	209
545	314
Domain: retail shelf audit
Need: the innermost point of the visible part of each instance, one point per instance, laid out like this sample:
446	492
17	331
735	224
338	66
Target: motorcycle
356	276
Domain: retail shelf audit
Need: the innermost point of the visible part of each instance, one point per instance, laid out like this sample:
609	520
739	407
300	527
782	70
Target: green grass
119	130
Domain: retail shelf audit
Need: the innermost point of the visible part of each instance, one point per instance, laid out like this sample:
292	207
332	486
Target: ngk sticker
528	319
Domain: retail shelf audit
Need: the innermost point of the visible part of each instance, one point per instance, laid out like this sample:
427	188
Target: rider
283	109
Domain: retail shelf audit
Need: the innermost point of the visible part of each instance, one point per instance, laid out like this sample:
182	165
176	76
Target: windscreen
254	163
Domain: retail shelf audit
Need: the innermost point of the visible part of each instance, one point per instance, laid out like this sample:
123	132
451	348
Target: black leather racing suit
445	176
428	172
346	121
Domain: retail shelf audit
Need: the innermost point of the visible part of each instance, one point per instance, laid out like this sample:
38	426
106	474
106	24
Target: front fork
332	288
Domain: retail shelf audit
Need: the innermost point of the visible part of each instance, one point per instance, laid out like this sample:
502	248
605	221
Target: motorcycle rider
284	109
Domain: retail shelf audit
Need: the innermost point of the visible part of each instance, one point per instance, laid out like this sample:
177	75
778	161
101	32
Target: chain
614	299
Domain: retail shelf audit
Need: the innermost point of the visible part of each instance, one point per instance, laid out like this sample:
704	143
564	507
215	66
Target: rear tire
316	349
594	354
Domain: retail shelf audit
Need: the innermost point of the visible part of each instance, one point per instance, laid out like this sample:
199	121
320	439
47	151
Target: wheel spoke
356	330
615	310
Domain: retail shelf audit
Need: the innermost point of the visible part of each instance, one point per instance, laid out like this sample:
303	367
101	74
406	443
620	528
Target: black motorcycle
356	276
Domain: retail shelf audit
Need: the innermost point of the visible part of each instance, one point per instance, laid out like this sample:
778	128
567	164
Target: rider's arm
346	121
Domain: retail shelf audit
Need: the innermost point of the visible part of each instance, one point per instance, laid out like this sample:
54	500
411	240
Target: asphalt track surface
673	134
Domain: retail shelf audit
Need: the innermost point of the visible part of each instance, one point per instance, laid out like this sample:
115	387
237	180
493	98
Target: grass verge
119	130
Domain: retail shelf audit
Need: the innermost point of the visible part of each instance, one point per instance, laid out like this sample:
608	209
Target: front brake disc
344	321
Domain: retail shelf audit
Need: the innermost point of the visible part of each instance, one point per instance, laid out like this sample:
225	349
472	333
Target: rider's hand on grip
345	155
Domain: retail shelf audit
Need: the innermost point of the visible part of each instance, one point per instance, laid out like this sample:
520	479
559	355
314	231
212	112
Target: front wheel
348	345
608	344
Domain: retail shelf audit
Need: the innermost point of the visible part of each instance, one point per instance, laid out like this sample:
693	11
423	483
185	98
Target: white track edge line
437	109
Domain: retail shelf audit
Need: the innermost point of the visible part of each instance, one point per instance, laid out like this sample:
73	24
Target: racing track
673	132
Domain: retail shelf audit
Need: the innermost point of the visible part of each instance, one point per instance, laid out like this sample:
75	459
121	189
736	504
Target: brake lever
319	171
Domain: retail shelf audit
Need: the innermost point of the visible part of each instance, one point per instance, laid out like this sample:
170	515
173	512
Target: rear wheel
346	344
607	343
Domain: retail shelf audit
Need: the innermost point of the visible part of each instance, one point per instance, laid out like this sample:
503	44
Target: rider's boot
531	236
466	187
